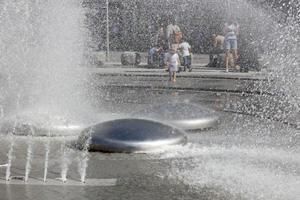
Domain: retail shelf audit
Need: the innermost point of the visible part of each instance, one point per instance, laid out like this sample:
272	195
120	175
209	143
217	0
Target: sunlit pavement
199	62
201	78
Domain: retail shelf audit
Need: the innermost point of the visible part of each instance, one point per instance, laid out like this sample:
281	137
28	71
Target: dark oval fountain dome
186	116
130	135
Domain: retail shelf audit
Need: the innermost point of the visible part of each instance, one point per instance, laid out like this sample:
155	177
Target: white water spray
64	161
1	112
42	51
84	158
47	148
29	154
9	158
11	149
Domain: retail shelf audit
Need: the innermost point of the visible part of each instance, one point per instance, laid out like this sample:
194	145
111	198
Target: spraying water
1	112
252	159
42	44
65	161
12	138
84	158
42	51
9	158
47	148
28	158
29	154
263	164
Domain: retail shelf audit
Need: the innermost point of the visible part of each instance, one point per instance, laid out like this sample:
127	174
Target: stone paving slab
201	79
200	72
115	57
57	182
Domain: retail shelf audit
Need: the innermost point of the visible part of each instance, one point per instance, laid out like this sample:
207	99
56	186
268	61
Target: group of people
169	39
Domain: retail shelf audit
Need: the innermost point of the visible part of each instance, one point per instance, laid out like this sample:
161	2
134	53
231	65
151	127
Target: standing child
173	62
185	51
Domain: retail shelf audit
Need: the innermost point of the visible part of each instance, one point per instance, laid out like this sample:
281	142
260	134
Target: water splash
47	148
242	172
1	112
12	139
273	31
29	154
42	51
9	157
65	161
84	157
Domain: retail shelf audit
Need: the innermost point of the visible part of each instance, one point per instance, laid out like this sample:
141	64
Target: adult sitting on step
217	54
156	55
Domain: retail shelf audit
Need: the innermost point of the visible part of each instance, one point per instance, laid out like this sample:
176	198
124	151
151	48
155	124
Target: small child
185	51
173	62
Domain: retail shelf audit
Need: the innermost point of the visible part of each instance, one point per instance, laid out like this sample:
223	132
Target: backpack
177	35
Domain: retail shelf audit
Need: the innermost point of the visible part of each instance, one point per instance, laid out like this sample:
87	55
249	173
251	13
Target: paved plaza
200	169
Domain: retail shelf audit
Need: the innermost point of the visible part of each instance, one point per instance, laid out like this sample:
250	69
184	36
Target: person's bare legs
170	74
235	57
174	77
227	59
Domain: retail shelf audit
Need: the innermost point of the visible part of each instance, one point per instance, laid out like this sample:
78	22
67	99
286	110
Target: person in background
185	50
160	45
115	35
231	30
173	34
218	48
173	62
150	55
219	42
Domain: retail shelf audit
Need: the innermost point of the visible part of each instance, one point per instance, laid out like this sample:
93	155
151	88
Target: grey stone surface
115	58
189	172
216	164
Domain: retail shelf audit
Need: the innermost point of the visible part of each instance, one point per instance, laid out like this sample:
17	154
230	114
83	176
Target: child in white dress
173	62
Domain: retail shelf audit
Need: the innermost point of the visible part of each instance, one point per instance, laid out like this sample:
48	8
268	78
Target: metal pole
107	32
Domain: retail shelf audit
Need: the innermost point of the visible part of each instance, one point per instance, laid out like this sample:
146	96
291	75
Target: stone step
99	57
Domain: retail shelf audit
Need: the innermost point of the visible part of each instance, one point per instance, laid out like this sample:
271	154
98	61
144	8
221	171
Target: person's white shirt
230	31
184	49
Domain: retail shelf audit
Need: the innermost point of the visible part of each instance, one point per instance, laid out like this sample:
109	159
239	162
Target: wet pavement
244	157
211	166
